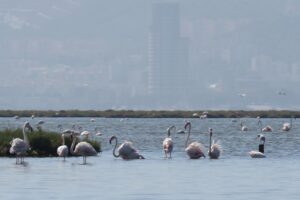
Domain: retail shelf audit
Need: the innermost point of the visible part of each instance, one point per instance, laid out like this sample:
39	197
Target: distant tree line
150	114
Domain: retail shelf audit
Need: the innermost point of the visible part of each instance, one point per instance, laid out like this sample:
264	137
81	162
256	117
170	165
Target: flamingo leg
84	160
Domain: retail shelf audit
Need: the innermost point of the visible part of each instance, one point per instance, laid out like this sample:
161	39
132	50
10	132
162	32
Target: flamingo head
210	131
112	138
188	124
261	137
28	126
169	130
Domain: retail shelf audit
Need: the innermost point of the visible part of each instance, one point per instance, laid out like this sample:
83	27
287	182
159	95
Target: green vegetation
149	114
42	143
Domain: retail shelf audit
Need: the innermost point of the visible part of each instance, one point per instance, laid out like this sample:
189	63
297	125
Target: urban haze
134	54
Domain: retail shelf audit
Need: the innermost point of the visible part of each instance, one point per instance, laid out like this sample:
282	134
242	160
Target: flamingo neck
170	129
114	151
209	150
63	139
188	137
73	145
260	124
25	136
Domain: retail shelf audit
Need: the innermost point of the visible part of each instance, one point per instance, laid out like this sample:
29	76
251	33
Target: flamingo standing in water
288	126
83	149
168	143
63	151
265	129
195	149
215	149
19	146
126	150
261	148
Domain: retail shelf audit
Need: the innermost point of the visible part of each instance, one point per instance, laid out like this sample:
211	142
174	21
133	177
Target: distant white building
168	54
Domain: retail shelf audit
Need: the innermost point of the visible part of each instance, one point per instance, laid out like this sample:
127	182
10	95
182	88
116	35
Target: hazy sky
93	54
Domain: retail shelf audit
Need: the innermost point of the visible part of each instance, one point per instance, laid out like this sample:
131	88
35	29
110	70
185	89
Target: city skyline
95	55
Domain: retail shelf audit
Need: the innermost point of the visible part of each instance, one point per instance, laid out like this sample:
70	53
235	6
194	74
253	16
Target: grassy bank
42	143
148	114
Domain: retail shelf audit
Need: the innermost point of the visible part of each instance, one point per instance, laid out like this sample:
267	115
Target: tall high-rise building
168	54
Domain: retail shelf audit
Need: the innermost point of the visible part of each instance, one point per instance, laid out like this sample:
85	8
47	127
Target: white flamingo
63	151
195	149
168	143
215	149
288	126
265	129
126	150
243	127
98	133
261	148
19	146
83	149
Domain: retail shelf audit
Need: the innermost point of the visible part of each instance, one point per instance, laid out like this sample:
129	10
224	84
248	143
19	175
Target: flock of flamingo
127	151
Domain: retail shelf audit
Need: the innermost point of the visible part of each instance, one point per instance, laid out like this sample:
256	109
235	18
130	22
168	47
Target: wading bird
288	126
83	149
168	143
261	148
265	129
195	149
126	150
19	146
215	149
63	151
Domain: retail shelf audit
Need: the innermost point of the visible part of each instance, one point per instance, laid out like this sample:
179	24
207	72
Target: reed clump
42	143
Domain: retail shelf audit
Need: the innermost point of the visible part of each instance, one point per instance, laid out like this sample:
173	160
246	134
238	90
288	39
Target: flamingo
288	126
83	149
195	149
243	127
215	149
126	150
265	129
168	143
261	148
19	146
63	151
98	133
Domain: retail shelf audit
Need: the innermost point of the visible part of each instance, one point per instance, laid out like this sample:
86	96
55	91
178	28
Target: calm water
234	176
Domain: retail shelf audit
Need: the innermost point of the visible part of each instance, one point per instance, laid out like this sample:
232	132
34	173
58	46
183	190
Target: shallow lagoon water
234	176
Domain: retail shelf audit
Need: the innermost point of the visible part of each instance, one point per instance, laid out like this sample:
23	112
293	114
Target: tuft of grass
42	143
